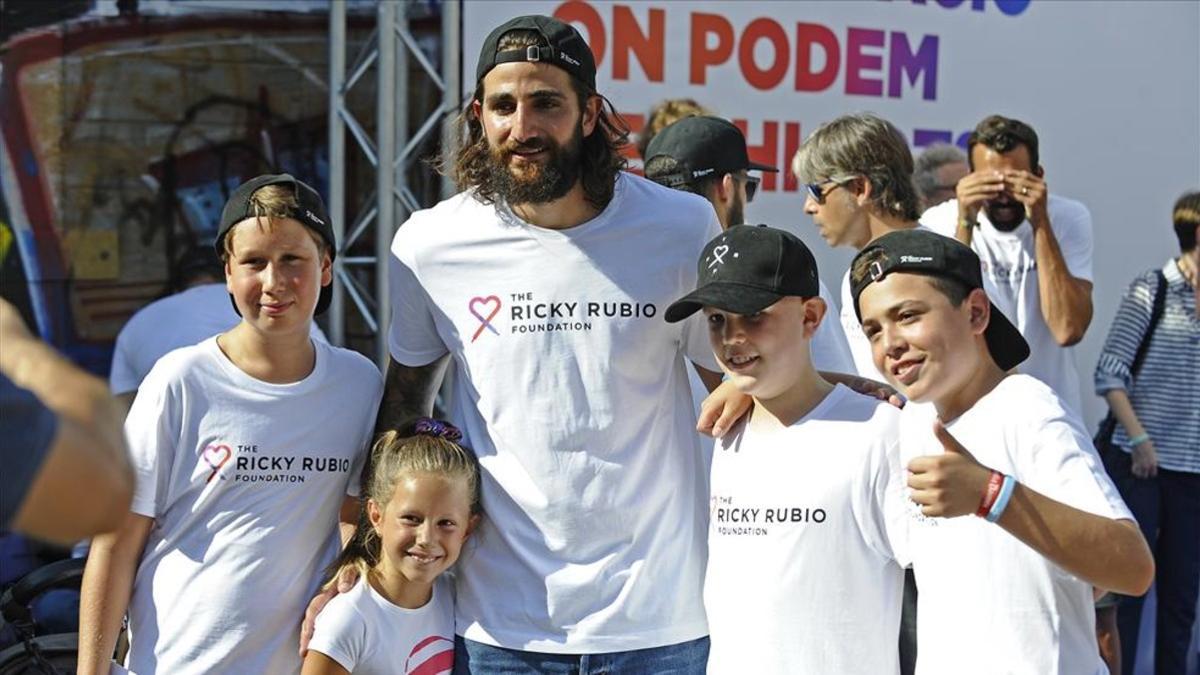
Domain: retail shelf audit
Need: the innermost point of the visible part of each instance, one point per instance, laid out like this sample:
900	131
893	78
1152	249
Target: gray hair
928	162
867	146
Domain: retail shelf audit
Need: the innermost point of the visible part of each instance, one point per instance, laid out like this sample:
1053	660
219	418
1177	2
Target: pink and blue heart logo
485	309
215	456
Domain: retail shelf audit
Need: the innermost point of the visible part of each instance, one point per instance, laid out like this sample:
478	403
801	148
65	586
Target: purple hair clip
430	427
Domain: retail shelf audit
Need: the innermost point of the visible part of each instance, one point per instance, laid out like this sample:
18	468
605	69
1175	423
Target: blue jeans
685	658
1167	508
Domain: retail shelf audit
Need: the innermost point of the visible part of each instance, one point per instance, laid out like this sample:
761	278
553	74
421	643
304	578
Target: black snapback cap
563	47
748	268
704	146
925	252
311	213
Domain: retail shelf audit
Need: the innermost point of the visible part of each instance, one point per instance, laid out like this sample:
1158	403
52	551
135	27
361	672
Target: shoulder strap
1156	312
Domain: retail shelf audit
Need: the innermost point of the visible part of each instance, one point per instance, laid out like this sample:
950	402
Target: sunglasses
817	191
751	183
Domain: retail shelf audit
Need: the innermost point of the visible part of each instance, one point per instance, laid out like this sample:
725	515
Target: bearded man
545	281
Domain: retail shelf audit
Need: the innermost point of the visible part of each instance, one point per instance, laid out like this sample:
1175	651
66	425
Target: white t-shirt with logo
573	392
806	526
989	603
1010	277
178	320
244	480
368	635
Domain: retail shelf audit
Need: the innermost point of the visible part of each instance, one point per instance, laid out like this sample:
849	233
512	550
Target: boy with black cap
247	449
806	494
708	156
977	439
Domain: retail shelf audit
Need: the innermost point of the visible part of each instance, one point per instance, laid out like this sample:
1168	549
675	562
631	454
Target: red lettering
702	55
809	35
772	32
577	11
857	61
648	48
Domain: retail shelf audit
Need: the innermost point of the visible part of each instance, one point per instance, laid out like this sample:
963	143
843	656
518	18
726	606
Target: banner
1112	88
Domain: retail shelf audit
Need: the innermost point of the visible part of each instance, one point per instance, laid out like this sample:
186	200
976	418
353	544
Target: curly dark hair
600	159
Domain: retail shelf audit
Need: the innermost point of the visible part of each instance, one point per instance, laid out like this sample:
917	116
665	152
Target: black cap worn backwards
924	252
703	146
562	46
748	268
311	214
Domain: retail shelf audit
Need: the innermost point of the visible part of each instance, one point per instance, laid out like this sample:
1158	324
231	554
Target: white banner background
1113	89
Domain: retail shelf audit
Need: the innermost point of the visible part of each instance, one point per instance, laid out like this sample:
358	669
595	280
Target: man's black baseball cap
311	213
563	46
924	252
703	146
748	268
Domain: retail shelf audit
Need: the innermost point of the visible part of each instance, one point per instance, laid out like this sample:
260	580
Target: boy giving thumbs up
1014	520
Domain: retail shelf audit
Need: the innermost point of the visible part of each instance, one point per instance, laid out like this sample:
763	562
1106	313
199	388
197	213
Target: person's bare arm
408	393
1145	456
87	458
724	405
316	663
107	586
1066	300
1107	553
347	519
1103	552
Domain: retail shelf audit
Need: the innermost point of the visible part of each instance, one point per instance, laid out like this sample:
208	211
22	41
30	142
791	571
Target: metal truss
361	281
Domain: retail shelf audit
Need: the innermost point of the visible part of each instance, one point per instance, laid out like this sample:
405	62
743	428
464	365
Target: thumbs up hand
947	485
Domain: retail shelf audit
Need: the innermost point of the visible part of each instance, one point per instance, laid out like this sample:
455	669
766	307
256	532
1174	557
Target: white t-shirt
1010	278
244	480
368	635
178	320
573	392
989	603
829	347
802	545
860	346
829	351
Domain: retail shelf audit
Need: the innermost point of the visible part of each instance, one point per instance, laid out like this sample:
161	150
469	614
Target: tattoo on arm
408	393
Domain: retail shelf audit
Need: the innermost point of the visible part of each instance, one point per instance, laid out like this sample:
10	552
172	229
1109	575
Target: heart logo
490	304
215	457
719	255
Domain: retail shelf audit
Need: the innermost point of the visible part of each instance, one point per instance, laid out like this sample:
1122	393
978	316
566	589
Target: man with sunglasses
707	156
857	170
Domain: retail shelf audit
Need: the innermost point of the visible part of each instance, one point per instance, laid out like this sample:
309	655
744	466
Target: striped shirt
1166	394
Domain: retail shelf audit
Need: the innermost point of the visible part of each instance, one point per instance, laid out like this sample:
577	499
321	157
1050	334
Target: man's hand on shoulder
346	578
722	409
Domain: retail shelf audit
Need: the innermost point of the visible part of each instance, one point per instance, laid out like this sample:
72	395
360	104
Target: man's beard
1005	222
538	183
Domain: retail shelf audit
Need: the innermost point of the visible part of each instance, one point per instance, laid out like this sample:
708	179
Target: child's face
923	345
423	527
763	353
275	273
